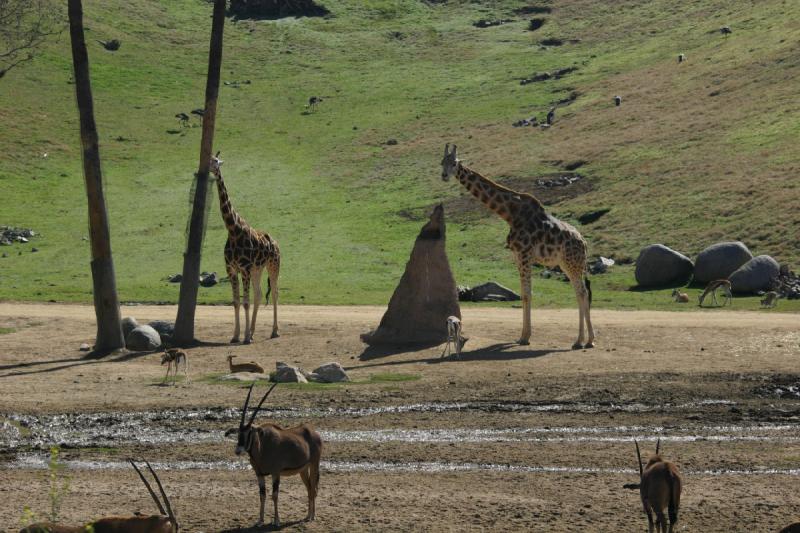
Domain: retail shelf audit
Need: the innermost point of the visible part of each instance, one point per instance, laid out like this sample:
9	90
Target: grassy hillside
698	152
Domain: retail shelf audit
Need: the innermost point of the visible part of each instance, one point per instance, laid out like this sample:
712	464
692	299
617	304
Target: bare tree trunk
184	323
106	303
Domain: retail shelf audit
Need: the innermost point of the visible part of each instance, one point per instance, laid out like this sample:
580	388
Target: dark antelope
660	488
275	451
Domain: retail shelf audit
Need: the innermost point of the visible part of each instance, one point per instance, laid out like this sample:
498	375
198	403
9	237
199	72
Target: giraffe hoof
589	345
247	341
235	340
577	346
524	342
274	335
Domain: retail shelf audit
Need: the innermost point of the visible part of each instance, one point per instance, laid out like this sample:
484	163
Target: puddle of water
39	462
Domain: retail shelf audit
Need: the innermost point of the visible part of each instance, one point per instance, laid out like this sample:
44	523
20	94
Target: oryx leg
276	483
262	495
256	281
311	489
233	276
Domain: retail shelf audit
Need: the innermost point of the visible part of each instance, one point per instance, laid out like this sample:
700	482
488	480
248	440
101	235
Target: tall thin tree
106	302
184	323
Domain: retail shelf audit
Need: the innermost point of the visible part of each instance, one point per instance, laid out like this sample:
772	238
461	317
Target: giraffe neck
499	199
229	215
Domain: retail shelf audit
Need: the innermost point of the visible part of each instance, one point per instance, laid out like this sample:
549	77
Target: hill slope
699	151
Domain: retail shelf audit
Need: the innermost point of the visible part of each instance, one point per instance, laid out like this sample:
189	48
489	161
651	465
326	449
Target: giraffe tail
269	289
588	288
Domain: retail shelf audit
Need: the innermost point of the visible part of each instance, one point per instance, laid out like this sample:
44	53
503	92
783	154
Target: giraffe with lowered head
535	237
247	252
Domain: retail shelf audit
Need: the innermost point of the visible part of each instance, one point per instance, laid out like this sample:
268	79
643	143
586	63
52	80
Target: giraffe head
449	162
216	162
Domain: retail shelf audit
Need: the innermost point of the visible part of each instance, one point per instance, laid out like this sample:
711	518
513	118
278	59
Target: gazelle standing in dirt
173	356
659	488
244	367
453	335
770	299
680	297
162	523
275	451
721	284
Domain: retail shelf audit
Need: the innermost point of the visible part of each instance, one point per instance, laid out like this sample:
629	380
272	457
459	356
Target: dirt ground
533	438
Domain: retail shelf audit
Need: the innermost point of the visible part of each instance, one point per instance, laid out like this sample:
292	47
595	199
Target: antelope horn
246	401
163	494
658	444
453	151
260	403
149	488
218	151
639	456
446	149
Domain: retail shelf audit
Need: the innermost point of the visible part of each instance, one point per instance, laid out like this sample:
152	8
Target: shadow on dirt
265	527
507	351
91	359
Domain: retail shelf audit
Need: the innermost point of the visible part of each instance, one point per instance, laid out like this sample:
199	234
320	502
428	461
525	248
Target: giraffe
247	252
535	237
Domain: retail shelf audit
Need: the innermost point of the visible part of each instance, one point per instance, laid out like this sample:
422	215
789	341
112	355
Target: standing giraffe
535	237
247	252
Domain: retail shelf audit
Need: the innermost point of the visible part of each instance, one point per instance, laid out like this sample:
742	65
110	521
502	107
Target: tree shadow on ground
89	359
264	527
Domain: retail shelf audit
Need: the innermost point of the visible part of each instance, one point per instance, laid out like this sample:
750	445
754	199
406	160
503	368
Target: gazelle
453	335
713	287
679	296
173	356
277	452
659	488
770	299
244	367
162	523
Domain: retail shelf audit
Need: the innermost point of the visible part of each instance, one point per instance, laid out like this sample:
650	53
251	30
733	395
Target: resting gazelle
680	297
721	284
275	451
659	488
161	523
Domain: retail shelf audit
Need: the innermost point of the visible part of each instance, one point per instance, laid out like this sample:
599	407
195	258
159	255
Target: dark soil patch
569	99
551	42
592	216
542	76
533	10
275	9
535	24
575	164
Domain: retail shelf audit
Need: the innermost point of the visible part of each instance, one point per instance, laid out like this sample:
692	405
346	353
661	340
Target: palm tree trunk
184	323
106	302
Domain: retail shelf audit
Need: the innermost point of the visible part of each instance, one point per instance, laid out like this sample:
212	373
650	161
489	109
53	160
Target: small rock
85	347
175	278
288	374
329	373
209	280
391	142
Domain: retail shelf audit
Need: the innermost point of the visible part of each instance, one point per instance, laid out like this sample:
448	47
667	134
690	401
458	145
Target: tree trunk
184	323
106	303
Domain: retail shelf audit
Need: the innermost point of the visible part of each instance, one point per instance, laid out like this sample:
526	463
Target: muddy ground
535	438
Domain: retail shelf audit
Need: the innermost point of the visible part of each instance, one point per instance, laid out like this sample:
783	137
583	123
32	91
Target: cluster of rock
207	279
559	181
146	337
523	122
659	266
542	76
488	23
788	283
9	235
487	292
327	373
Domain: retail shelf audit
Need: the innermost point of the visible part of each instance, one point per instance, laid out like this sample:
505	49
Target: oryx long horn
446	149
163	493
261	403
149	488
218	151
453	150
639	456
246	401
658	444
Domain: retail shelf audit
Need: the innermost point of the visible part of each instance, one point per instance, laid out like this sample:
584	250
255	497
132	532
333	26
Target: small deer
680	297
244	367
173	356
721	284
453	335
275	451
313	102
659	488
162	523
770	299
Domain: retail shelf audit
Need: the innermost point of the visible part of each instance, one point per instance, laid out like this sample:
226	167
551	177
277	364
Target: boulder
493	292
601	266
143	339
659	265
164	328
288	374
329	373
720	260
128	324
209	280
758	274
425	296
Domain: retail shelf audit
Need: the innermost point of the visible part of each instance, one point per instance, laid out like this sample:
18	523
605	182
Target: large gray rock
288	374
755	275
720	260
164	328
329	373
128	324
143	339
659	265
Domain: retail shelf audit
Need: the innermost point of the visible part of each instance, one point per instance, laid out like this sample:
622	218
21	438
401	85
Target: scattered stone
329	373
592	216
551	42
288	374
143	339
128	324
533	122
490	292
758	274
33	250
175	278
486	23
9	235
720	260
209	280
85	347
559	181
543	76
391	142
659	265
787	284
112	45
535	24
601	266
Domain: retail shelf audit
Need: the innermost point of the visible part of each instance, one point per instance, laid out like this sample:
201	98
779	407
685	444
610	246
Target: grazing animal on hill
617	101
660	488
551	116
725	30
275	451
161	523
244	367
453	335
681	58
313	102
535	237
183	118
173	356
721	284
770	299
247	253
680	297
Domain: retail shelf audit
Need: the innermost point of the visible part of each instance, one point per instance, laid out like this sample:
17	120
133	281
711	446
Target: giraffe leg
525	281
588	313
246	303
582	296
233	276
273	283
256	279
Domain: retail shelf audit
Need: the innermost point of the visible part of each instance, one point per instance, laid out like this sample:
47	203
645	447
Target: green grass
675	165
5	331
373	379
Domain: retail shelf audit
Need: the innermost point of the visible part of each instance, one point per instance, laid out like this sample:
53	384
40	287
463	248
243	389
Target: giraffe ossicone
535	237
